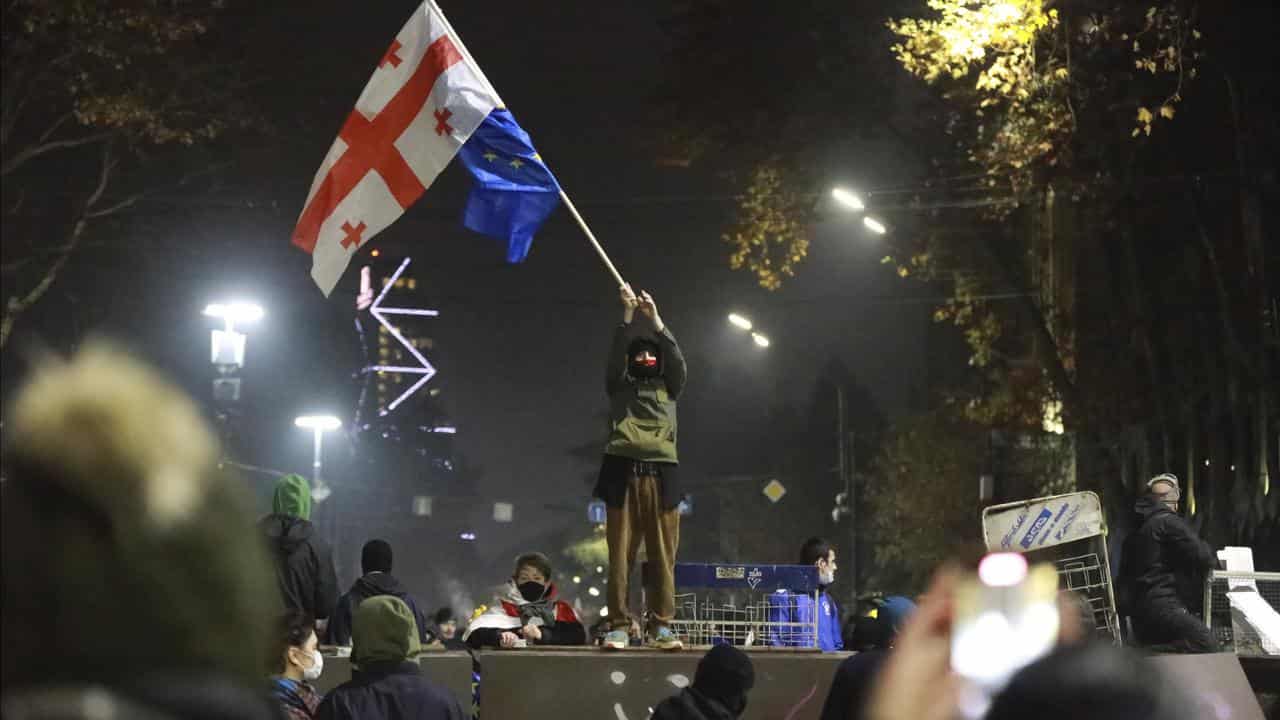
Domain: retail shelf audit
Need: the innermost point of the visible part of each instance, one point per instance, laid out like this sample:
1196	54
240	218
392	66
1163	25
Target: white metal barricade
1070	532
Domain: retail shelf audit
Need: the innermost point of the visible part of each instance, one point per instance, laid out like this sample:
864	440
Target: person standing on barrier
645	375
1163	567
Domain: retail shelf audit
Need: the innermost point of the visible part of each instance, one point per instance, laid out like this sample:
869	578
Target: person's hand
629	302
532	632
508	639
917	681
649	308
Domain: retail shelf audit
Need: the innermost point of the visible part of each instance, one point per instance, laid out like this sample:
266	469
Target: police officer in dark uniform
1165	562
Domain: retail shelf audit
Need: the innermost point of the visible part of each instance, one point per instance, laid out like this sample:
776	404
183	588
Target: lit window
413	283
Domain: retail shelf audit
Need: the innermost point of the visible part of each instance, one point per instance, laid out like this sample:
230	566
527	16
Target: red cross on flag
423	102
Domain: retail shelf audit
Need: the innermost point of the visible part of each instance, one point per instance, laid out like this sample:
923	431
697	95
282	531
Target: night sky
520	349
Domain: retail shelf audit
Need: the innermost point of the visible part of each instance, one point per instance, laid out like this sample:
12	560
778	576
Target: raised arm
674	368
616	366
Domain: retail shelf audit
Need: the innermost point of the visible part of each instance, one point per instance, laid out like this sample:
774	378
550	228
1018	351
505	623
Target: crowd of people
158	598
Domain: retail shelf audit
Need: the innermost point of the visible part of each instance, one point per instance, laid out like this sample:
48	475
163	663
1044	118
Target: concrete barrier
590	683
449	669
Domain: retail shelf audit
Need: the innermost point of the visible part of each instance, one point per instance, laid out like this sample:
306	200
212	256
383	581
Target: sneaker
664	639
616	640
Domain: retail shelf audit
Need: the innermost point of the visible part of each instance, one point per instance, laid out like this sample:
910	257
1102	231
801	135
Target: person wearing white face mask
796	610
297	663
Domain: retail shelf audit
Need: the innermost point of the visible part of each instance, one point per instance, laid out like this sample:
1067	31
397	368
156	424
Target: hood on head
725	672
286	533
383	630
292	497
639	344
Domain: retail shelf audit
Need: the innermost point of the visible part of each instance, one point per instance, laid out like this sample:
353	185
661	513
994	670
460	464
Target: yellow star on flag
516	163
490	156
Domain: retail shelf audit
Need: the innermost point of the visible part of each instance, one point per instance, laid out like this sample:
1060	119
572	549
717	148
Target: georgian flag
424	101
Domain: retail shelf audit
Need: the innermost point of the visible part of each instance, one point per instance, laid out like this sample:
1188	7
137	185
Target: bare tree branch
33	151
16	305
122	205
44	137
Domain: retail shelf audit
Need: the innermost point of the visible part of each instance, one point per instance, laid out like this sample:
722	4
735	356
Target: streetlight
760	340
318	425
873	225
739	322
848	199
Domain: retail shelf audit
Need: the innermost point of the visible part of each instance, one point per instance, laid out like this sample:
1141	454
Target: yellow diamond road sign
774	491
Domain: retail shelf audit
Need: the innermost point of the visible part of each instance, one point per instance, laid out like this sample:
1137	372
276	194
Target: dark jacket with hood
303	562
642	413
719	692
1164	560
388	685
692	705
371	585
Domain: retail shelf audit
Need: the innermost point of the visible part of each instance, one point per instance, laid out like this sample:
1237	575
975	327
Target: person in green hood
386	682
303	562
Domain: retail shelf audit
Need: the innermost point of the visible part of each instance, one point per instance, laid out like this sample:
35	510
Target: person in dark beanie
528	612
719	691
386	682
304	564
375	564
131	583
644	377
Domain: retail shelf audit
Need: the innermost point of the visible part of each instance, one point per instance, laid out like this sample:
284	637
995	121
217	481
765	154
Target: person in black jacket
1164	564
719	692
386	682
375	563
304	563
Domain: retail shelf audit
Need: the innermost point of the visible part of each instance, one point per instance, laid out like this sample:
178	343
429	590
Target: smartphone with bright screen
1006	616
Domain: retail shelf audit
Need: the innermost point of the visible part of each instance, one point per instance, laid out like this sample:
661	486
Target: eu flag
514	191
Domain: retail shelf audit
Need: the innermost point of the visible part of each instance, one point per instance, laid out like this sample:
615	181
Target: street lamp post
226	353
846	459
318	425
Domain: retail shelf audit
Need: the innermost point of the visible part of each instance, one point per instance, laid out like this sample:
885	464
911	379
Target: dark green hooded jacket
642	411
303	562
386	682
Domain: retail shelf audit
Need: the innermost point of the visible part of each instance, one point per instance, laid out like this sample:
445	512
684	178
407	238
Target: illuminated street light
236	312
226	346
739	322
848	199
874	225
467	536
318	425
760	340
593	592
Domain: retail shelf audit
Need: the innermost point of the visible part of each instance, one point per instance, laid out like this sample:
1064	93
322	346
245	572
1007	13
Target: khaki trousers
642	519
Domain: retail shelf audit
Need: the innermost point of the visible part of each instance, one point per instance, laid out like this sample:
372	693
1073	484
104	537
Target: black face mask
642	370
531	590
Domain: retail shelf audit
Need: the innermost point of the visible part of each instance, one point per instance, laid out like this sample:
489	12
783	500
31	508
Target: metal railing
1229	625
